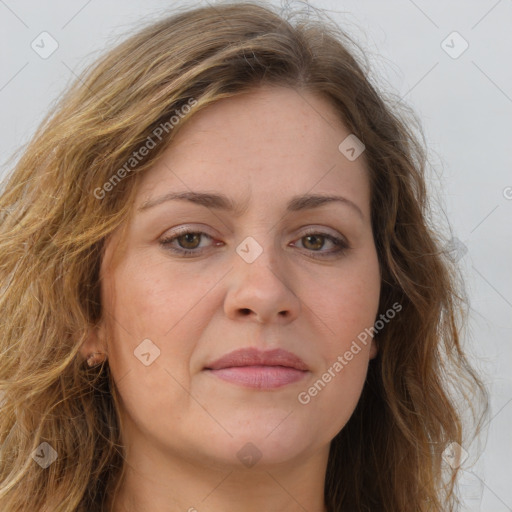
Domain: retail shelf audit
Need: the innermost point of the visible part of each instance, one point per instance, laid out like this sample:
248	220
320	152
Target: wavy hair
67	193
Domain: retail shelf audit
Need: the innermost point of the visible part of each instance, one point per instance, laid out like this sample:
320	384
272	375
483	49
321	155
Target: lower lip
260	377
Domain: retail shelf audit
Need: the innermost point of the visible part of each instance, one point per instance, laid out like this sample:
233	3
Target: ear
374	349
94	341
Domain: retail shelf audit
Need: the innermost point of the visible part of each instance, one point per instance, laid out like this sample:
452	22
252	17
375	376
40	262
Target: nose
261	290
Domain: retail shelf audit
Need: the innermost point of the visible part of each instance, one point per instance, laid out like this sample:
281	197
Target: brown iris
318	241
189	238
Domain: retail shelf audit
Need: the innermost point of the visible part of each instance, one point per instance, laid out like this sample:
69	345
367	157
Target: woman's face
279	271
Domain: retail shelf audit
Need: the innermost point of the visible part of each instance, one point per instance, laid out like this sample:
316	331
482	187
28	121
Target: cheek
147	301
347	302
348	309
333	392
336	402
149	344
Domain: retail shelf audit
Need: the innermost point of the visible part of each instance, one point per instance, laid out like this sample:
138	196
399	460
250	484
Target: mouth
263	370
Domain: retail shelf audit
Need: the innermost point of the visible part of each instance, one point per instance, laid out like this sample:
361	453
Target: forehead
270	142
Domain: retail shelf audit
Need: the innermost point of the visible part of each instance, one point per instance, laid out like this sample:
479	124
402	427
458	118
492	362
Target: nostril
245	311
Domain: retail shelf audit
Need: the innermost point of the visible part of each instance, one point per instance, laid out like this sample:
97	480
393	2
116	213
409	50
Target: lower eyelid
340	243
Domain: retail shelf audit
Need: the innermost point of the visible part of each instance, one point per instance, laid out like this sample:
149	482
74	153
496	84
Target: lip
254	368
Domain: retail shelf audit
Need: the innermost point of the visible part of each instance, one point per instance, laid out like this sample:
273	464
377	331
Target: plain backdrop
450	61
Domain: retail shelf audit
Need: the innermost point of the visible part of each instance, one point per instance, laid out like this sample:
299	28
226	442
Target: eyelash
338	242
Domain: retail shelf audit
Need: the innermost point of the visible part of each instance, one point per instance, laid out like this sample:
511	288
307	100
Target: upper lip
256	357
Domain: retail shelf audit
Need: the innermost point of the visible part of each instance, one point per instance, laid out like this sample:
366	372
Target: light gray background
465	105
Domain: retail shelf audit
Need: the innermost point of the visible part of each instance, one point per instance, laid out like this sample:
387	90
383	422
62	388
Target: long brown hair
68	193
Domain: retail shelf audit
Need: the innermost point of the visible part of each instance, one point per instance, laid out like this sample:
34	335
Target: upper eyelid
180	229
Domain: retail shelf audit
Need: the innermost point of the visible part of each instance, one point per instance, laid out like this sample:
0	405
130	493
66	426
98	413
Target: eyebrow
222	202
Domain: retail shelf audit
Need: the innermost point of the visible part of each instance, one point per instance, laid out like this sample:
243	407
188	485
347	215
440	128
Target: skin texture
183	426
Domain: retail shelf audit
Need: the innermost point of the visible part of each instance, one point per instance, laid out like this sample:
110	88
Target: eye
187	242
314	240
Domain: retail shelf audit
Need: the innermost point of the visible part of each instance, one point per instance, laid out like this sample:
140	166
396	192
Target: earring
92	360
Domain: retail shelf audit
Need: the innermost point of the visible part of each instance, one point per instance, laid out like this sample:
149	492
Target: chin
264	446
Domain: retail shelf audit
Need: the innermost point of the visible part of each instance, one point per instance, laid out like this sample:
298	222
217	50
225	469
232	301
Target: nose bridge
260	283
260	255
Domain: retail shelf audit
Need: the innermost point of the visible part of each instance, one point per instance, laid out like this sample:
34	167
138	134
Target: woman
220	287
